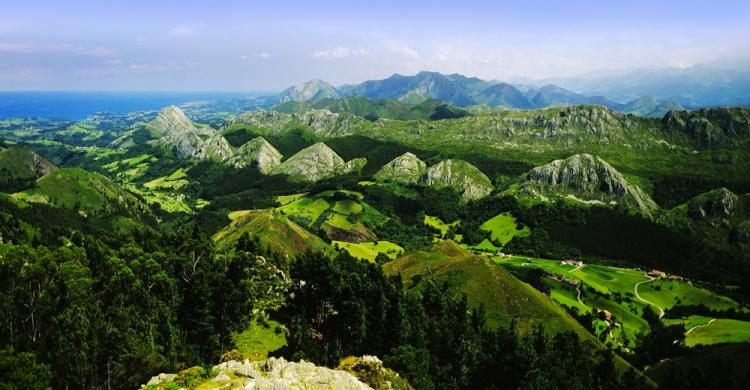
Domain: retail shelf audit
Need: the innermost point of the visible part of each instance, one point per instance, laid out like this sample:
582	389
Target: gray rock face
316	162
323	123
459	176
585	178
38	164
176	132
313	89
405	169
272	374
257	153
716	204
215	148
353	166
172	120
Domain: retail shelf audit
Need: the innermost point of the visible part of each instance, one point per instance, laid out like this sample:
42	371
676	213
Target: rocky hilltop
354	373
404	169
322	123
712	126
21	164
585	178
317	162
311	90
459	176
173	130
257	153
719	217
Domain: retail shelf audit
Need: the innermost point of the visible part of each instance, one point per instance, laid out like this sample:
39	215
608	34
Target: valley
333	226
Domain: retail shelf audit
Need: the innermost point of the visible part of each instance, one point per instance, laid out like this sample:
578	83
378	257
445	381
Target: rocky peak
717	204
257	153
313	89
311	164
406	169
459	176
712	126
215	148
586	178
172	119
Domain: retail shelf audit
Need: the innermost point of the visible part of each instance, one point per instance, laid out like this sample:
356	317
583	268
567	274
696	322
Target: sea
77	105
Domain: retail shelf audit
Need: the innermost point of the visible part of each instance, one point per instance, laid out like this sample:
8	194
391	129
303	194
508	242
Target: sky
270	45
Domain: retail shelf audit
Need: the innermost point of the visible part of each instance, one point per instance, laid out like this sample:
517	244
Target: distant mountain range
717	83
469	92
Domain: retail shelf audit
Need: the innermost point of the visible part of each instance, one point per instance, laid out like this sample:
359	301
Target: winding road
699	326
650	279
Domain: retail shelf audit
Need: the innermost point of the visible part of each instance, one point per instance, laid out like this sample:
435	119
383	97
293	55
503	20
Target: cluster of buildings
655	273
574	263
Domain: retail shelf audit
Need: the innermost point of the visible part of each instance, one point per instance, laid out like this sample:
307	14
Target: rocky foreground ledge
365	372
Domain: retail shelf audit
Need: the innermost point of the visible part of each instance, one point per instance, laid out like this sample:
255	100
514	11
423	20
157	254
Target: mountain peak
406	169
588	179
309	90
313	163
460	176
259	153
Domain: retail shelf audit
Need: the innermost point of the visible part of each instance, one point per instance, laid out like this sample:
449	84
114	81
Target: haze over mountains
469	92
647	92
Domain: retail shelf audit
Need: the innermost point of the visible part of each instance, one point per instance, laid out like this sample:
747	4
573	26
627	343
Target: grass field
328	211
503	228
174	181
258	339
667	293
614	290
438	224
689	322
720	331
370	250
504	297
284	200
273	229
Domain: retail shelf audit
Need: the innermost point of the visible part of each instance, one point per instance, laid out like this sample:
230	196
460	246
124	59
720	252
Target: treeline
428	334
83	315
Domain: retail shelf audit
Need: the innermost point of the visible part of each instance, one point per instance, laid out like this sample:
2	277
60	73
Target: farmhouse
574	263
656	273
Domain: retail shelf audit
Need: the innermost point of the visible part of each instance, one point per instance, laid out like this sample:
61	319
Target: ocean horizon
77	105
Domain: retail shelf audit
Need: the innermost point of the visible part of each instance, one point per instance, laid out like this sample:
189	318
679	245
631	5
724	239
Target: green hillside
20	167
273	229
504	297
90	193
373	109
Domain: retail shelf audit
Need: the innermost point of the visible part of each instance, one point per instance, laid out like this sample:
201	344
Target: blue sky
268	45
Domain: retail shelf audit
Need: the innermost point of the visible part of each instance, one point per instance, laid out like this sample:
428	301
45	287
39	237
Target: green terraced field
667	293
284	200
322	210
438	224
307	208
628	309
720	331
370	250
503	228
689	322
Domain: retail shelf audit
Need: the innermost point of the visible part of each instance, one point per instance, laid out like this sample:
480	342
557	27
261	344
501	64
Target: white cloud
339	52
400	49
243	58
264	56
183	30
136	67
63	48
